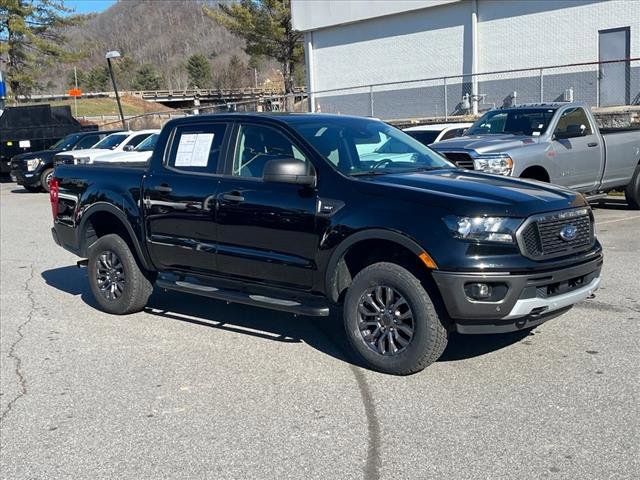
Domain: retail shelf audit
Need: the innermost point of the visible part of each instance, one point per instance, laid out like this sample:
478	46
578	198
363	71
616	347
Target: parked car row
33	170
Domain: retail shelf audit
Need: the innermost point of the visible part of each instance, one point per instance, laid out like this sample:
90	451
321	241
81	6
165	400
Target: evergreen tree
147	78
31	39
199	71
265	25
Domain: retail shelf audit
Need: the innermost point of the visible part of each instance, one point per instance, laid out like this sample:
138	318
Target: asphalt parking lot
194	388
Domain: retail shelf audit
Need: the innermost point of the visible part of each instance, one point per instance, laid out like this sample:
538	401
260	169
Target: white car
114	143
428	134
140	154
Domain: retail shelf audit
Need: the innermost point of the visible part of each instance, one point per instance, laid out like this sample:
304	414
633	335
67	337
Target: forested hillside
156	39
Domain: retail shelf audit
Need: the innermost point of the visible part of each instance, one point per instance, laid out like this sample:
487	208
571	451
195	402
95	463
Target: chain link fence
598	84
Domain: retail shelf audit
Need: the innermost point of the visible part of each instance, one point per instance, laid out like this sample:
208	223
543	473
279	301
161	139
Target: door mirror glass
128	148
288	170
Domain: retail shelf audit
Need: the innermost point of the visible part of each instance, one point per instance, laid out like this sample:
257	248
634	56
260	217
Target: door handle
592	144
233	197
162	188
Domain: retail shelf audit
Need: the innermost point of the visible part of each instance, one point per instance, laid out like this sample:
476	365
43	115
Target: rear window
197	148
424	137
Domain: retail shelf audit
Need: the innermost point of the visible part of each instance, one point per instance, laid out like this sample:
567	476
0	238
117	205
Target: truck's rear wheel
632	192
391	322
117	283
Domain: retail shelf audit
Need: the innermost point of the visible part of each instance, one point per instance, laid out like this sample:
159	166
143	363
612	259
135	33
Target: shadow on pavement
324	334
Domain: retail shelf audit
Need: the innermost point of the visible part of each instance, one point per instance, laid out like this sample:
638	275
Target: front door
614	77
179	199
578	154
267	231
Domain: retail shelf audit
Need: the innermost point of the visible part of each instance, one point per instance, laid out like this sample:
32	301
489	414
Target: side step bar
233	296
596	196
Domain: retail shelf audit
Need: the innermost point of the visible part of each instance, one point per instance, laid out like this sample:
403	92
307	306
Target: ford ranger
280	211
551	142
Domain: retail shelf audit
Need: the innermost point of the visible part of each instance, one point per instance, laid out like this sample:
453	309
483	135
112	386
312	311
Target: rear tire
632	192
118	284
44	179
372	316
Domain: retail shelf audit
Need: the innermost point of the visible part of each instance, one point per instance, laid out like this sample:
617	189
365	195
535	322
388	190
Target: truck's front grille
461	159
557	234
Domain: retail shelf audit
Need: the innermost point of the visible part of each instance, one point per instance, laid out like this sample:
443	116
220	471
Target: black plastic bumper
525	300
26	178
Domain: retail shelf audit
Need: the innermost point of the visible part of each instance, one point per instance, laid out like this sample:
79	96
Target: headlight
82	160
499	163
483	229
32	164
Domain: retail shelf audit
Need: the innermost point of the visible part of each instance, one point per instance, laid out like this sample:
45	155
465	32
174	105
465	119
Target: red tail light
54	187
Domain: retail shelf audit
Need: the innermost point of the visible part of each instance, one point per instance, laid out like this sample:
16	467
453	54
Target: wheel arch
103	218
338	275
536	172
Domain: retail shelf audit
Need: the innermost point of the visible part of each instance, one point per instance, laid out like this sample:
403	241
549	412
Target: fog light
479	291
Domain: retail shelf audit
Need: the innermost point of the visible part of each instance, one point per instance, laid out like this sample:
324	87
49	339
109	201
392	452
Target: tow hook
82	263
592	296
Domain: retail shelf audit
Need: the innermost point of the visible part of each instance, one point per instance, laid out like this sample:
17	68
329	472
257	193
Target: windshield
111	141
65	143
530	121
424	136
360	146
148	144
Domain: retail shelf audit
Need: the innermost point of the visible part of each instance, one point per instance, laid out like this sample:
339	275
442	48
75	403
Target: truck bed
621	147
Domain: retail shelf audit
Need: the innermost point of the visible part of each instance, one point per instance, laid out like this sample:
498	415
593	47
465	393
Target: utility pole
75	99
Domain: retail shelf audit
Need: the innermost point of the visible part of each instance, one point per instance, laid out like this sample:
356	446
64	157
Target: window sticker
24	143
193	150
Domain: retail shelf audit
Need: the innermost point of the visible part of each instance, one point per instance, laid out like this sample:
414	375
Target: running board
234	296
596	196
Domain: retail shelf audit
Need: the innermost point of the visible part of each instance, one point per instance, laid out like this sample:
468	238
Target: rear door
266	231
179	198
577	151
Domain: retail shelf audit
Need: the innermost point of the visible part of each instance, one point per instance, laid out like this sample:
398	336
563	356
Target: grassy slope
107	106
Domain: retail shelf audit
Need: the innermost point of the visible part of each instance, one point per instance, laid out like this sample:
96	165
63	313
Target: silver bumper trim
524	307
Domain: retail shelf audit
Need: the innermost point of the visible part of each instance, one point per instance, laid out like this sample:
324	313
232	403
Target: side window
454	132
135	141
256	145
197	148
573	122
87	142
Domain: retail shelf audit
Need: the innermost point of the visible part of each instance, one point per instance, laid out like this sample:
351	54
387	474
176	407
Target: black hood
44	154
472	193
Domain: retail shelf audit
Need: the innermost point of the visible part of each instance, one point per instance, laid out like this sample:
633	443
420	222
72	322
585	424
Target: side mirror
288	170
128	148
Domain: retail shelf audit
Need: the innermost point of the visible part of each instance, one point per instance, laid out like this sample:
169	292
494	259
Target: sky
89	6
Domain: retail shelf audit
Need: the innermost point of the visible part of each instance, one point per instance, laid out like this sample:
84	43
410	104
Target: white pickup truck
551	142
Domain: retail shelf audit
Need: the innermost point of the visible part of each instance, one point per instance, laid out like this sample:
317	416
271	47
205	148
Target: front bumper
25	178
529	299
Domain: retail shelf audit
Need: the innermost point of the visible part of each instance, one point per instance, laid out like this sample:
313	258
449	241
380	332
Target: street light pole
109	56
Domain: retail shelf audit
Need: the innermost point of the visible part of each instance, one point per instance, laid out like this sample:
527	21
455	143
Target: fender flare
121	216
368	234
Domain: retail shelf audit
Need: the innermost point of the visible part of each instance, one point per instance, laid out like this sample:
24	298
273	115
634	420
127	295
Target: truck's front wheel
117	282
632	192
391	321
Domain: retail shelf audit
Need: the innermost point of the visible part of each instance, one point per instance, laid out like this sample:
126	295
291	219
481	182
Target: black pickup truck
33	170
282	212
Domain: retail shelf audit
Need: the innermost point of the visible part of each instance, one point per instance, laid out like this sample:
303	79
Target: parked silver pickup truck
551	142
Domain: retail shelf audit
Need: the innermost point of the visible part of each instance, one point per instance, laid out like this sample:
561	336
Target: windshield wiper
372	172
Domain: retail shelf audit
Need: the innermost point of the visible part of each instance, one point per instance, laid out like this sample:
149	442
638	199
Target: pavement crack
13	354
372	465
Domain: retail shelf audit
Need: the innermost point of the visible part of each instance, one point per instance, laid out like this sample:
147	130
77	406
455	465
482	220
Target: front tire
632	192
118	284
45	177
391	322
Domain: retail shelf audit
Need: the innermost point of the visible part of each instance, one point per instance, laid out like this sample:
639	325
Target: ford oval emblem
568	233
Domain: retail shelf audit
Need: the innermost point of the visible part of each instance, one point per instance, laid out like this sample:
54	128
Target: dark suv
288	212
33	170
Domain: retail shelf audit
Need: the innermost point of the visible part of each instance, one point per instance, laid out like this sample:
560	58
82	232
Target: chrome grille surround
539	236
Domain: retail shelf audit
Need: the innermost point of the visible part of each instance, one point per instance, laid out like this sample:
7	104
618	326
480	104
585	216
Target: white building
351	45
